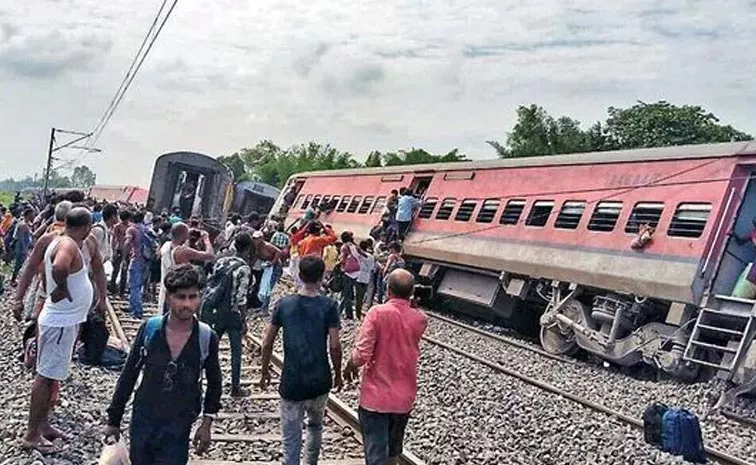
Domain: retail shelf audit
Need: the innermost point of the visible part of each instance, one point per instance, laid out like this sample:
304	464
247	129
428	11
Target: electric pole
49	162
52	148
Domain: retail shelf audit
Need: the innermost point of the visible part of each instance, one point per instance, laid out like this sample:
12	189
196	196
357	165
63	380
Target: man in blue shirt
405	210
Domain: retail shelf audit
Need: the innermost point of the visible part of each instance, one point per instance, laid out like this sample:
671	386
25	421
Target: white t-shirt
66	313
101	232
367	265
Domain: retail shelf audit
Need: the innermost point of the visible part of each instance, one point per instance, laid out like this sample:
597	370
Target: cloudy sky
362	75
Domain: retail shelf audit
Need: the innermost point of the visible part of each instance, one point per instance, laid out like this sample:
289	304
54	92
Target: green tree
235	163
374	159
82	176
416	156
642	125
663	124
538	133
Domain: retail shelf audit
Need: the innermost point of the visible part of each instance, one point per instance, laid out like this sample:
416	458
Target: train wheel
558	340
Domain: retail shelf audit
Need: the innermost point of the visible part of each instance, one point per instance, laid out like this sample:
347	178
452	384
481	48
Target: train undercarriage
623	329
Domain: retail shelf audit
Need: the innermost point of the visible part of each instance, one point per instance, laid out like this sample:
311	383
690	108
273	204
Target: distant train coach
200	185
631	255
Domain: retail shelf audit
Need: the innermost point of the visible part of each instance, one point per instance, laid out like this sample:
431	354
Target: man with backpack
171	353
22	242
140	246
311	331
224	304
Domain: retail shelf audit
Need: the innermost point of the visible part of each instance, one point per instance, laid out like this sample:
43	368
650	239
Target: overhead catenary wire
144	49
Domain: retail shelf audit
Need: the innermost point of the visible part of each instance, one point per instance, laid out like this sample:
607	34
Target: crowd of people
207	287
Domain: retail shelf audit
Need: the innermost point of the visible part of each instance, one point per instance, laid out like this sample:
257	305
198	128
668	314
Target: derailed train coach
199	185
629	255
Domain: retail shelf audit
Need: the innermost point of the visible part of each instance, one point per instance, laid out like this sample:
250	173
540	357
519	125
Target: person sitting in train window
405	210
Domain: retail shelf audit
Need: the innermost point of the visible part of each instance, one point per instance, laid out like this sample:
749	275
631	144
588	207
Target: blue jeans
380	287
136	281
20	258
347	298
382	435
158	442
292	414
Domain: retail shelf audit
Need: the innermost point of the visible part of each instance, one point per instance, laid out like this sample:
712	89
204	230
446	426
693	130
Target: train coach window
570	214
466	209
343	204
689	220
366	204
325	199
355	203
488	211
644	213
335	201
306	202
380	204
605	216
445	211
540	213
297	202
512	212
426	211
315	201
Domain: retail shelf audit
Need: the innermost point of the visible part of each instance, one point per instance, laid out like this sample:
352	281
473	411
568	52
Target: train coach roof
729	149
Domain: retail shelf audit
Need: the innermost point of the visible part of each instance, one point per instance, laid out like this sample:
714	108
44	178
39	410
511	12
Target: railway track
245	426
713	454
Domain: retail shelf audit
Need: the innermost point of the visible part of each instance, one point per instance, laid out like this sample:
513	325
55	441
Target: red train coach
563	227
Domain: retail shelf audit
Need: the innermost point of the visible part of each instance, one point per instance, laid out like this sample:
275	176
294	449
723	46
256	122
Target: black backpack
335	283
217	293
94	335
652	423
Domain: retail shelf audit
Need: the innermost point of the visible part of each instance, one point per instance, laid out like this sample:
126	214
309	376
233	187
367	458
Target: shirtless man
271	257
70	296
176	252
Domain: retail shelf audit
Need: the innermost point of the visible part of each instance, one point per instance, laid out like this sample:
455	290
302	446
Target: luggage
652	423
681	435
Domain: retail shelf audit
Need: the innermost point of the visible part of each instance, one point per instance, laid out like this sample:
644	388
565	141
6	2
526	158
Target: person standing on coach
405	209
311	323
169	397
388	346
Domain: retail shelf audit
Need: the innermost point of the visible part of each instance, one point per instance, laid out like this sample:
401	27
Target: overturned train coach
629	255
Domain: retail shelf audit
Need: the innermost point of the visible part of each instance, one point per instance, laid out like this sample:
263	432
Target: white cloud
361	75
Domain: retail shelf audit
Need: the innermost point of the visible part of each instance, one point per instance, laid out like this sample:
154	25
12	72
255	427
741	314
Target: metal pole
49	162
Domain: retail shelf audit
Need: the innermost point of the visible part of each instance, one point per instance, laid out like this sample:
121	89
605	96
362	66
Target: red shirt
388	346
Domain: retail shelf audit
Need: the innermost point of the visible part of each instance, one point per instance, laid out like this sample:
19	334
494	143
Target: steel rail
713	454
496	337
340	412
343	415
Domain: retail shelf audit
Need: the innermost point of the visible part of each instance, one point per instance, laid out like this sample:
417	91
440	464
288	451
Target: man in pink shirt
388	347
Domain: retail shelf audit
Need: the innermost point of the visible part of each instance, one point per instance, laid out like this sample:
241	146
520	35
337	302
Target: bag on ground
681	435
652	423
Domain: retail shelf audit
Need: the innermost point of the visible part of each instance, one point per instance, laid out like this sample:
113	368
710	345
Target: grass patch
6	198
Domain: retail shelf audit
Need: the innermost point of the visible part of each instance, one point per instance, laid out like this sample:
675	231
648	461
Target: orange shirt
313	245
6	222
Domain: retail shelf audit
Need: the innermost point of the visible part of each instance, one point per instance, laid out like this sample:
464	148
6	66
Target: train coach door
737	255
420	185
